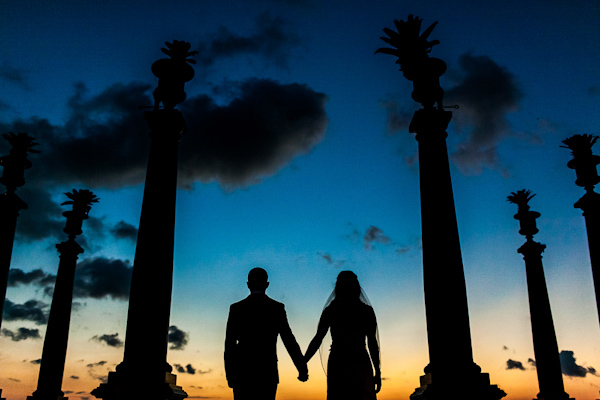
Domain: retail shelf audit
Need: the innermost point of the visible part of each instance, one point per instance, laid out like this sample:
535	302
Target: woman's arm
374	352
319	336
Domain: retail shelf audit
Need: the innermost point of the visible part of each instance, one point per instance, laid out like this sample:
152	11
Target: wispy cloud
12	74
272	41
374	235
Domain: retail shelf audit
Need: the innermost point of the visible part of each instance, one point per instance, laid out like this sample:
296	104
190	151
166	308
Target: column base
118	387
477	387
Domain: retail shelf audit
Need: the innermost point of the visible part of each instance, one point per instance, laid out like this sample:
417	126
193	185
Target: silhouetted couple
251	342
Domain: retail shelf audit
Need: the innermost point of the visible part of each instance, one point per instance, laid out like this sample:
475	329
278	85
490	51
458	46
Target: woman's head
347	286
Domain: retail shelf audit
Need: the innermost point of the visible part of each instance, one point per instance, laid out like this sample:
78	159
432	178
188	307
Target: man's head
258	280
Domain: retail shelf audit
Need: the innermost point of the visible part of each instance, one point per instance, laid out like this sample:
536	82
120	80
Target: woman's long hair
347	288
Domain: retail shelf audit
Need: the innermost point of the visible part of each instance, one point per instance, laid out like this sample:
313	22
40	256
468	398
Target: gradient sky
337	190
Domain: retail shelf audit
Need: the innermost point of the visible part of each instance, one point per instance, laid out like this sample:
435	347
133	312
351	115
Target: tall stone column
57	331
545	346
144	372
15	164
451	372
584	163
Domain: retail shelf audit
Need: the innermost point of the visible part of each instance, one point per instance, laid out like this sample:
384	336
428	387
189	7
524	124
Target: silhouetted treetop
521	198
412	49
580	143
409	45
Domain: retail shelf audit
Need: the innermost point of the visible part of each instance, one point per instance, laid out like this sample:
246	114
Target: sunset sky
338	190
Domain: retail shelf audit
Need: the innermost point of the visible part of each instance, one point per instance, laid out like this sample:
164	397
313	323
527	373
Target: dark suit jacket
251	341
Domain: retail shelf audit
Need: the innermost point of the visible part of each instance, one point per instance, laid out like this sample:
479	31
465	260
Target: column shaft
57	331
545	346
448	328
145	359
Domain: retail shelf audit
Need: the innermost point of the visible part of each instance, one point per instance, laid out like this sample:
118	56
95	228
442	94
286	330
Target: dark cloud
177	338
272	40
93	374
571	368
124	230
31	310
17	277
486	93
110	340
42	218
374	234
254	136
102	278
104	142
200	372
532	362
74	377
512	364
188	369
36	362
22	334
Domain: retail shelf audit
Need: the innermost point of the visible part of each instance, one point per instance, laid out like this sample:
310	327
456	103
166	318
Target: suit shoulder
276	303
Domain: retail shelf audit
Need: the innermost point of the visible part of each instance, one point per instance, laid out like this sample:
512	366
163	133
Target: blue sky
524	75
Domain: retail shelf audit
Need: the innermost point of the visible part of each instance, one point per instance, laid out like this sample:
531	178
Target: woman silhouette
351	320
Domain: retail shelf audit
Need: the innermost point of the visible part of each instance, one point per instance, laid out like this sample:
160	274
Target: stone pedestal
144	372
451	372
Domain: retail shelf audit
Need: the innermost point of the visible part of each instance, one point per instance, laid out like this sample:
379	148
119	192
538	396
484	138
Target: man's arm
230	356
292	346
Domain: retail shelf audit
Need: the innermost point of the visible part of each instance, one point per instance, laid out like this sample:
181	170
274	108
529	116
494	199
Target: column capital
70	247
589	203
532	249
427	122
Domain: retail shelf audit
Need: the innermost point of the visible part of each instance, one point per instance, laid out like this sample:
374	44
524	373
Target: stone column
451	364
57	331
545	346
15	164
144	372
451	372
584	163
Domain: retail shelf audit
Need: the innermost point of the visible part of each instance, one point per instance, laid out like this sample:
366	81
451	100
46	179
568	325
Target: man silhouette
251	342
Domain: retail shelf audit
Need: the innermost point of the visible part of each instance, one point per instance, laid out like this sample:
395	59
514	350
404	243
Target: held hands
303	373
303	377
